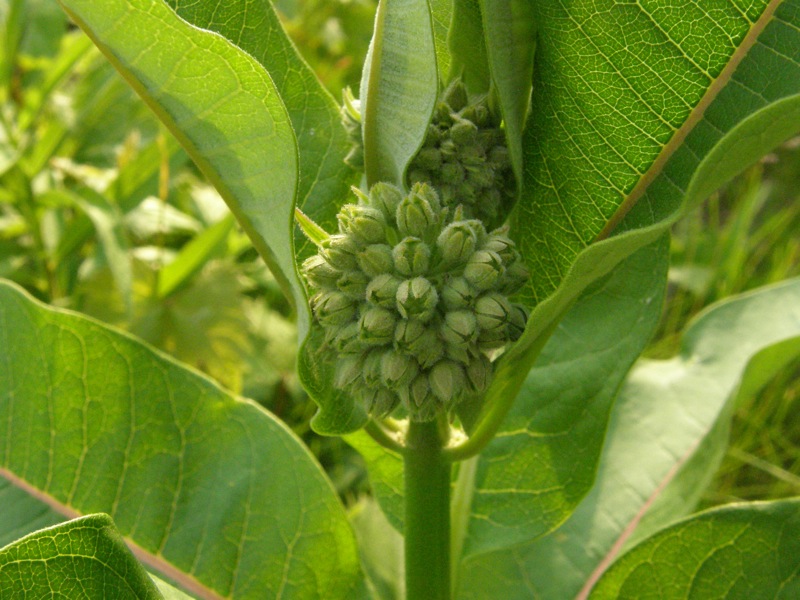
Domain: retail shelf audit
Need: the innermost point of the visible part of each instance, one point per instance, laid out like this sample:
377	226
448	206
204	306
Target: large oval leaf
661	446
211	490
220	104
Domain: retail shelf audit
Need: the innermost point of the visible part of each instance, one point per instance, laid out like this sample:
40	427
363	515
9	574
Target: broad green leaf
661	446
741	551
83	558
535	472
399	88
220	104
213	490
381	549
510	30
468	46
574	143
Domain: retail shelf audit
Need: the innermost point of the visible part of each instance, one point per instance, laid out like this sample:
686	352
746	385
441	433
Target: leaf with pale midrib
214	491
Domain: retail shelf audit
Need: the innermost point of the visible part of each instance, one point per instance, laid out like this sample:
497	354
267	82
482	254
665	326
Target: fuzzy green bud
483	269
417	299
457	243
464	132
346	340
348	371
479	373
333	308
386	198
457	293
376	259
340	251
412	257
447	380
460	328
408	335
377	325
320	273
518	319
364	223
398	369
382	290
492	311
417	213
354	284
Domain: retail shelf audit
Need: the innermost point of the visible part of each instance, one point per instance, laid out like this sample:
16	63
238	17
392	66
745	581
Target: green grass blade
214	491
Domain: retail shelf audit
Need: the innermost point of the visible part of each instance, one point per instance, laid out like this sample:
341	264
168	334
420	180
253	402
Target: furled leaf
213	490
82	558
220	104
661	446
399	88
740	551
510	30
468	46
441	16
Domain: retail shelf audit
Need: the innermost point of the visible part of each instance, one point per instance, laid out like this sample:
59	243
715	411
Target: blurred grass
745	236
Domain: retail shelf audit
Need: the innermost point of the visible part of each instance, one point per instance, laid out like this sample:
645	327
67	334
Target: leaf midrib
695	116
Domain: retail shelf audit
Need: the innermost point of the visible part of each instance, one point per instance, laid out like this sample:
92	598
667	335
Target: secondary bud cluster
465	158
413	299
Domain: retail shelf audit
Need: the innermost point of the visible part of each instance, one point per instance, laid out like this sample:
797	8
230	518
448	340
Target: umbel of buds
413	300
465	157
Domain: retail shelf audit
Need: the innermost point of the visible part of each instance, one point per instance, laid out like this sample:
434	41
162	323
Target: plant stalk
427	513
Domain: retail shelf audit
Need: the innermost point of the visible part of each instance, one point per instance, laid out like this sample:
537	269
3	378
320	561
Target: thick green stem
427	516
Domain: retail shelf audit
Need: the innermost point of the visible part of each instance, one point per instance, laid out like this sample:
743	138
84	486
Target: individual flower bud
429	159
429	349
408	335
460	328
459	354
479	373
447	381
456	96
421	390
340	251
379	402
492	339
499	242
478	114
449	151
415	216
371	367
453	174
492	311
348	372
346	340
333	308
366	224
500	158
386	198
515	277
517	321
471	156
319	273
382	290
354	284
375	259
457	293
480	176
464	132
377	326
417	299
483	269
457	243
398	369
412	257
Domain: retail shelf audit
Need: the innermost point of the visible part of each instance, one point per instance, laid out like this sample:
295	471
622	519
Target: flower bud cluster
465	158
413	299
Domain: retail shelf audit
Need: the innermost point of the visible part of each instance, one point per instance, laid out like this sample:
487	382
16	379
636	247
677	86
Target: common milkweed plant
475	244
